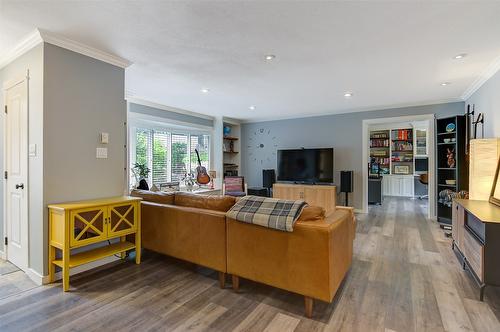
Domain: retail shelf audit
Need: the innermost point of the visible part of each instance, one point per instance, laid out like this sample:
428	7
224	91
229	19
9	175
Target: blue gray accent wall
487	101
82	98
343	132
169	115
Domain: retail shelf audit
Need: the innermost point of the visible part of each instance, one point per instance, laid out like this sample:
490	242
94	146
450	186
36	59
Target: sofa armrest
353	218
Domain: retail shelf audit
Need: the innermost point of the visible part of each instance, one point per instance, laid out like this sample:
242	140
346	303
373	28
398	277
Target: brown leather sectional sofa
311	261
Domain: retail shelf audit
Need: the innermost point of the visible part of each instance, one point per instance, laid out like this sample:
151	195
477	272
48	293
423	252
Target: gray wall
32	61
342	131
168	115
82	97
487	100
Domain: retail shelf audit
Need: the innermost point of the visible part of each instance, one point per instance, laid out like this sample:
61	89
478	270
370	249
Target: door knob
20	186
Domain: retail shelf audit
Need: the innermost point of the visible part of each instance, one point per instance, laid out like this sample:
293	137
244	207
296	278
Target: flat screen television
306	165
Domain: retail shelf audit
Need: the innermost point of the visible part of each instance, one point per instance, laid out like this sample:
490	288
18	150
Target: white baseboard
43	280
2	255
359	211
36	277
83	268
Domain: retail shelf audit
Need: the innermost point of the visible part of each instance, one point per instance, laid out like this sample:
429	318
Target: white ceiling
387	54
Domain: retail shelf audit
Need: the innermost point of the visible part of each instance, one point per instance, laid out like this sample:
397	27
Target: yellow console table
78	224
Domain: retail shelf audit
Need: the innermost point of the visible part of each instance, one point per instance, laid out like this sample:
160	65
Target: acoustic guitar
202	175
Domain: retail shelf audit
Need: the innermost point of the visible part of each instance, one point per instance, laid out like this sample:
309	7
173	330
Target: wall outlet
101	153
104	138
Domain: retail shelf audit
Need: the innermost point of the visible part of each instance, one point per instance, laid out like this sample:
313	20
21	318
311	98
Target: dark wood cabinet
476	237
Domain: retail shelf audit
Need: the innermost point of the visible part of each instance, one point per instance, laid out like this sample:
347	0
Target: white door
16	165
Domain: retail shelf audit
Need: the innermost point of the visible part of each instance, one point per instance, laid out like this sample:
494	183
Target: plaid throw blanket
274	213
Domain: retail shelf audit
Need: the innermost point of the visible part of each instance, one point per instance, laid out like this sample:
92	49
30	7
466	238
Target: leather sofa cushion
311	213
216	203
154	196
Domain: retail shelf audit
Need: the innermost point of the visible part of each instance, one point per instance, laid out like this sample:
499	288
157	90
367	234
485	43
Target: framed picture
401	169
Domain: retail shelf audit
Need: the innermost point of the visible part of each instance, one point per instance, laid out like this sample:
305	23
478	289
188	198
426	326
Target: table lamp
484	155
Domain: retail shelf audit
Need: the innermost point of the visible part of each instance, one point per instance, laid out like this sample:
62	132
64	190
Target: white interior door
16	165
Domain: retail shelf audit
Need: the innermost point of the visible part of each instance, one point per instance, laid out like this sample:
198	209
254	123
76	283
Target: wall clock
262	146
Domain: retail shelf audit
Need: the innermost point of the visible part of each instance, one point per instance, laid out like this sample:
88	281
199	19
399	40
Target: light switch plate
32	150
101	153
104	137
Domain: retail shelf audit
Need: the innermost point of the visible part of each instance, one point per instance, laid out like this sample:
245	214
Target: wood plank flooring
405	277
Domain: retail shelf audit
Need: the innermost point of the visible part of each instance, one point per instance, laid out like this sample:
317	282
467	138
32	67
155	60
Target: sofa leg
236	283
308	301
222	279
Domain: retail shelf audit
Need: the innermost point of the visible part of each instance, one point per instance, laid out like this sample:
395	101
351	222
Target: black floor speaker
346	184
268	178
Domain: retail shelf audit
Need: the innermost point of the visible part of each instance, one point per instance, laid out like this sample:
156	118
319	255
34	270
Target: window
169	155
180	158
200	143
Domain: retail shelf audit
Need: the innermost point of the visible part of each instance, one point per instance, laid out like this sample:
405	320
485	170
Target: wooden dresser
476	236
79	224
318	195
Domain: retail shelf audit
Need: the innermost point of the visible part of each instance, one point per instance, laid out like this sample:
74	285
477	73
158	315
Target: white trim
232	121
40	35
85	267
354	110
491	70
152	120
359	211
2	255
432	173
77	47
129	97
30	41
43	280
13	82
37	277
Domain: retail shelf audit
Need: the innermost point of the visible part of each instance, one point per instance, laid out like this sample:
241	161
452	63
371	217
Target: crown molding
40	35
354	110
491	70
131	98
26	44
77	47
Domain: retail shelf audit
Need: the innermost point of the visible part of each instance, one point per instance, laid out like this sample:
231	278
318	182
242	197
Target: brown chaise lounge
311	261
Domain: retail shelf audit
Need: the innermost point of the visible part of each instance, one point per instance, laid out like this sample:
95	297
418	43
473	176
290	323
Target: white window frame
172	130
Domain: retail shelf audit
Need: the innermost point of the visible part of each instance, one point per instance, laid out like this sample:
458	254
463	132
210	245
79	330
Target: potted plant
141	172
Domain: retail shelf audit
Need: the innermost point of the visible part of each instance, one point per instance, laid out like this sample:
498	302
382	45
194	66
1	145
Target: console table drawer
473	251
475	225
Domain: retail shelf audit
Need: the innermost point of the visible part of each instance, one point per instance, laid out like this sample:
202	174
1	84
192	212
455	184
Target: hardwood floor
405	277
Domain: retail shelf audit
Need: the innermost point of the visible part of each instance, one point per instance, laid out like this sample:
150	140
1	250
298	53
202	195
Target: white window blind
169	155
161	143
180	157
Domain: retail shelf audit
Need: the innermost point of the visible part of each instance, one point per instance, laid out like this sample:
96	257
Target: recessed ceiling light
252	107
460	56
205	90
445	83
270	57
348	94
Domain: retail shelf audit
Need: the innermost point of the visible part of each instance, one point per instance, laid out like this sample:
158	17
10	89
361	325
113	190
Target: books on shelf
403	134
379	135
402	146
379	143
